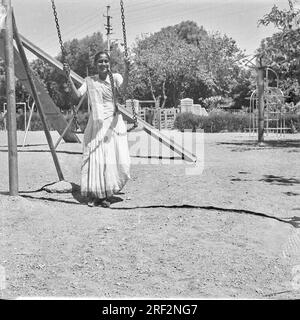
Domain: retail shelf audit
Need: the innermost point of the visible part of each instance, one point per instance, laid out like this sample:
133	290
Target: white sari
105	165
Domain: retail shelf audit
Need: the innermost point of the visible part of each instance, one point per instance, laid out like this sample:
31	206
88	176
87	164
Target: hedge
226	121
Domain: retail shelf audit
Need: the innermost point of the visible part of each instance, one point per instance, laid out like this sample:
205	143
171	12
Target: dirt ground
231	231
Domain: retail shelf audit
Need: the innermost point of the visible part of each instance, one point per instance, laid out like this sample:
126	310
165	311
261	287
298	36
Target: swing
74	119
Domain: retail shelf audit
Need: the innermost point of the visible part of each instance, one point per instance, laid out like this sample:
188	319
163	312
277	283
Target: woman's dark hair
111	78
98	54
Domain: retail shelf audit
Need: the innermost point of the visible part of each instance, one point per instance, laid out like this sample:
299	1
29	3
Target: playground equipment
132	116
51	111
274	111
17	65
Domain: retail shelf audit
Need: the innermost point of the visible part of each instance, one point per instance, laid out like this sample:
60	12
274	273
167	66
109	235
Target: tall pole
37	100
260	100
11	103
108	28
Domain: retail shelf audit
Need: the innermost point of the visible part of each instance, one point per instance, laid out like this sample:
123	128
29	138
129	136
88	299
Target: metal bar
28	124
62	135
51	111
37	100
11	103
47	58
260	98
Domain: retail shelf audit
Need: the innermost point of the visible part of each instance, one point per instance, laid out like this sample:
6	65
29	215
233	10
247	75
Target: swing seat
135	126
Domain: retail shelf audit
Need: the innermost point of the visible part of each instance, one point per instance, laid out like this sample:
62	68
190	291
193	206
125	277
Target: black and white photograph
150	150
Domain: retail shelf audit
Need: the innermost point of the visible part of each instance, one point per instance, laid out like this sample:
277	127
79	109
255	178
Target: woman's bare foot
105	203
91	203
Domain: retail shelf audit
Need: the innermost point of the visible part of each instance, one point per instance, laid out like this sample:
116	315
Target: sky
78	18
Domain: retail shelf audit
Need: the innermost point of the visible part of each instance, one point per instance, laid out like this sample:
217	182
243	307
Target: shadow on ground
279	180
79	200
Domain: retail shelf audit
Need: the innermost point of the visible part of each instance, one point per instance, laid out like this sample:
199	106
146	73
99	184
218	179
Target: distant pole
108	28
260	100
11	103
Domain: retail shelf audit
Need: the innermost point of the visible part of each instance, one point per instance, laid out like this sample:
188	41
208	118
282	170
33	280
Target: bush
225	121
218	121
293	121
214	122
187	120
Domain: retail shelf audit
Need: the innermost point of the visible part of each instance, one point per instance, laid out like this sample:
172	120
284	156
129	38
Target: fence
159	118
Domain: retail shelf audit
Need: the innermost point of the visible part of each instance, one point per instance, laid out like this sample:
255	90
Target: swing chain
75	119
134	115
123	28
63	50
64	54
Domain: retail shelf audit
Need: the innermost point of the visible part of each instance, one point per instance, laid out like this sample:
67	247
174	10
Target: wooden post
37	100
159	119
11	103
260	101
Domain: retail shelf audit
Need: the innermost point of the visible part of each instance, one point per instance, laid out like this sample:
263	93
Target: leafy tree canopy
186	61
281	50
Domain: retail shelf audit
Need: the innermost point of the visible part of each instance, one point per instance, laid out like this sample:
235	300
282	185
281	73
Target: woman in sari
106	161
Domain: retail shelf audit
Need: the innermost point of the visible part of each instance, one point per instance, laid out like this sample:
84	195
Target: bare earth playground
230	232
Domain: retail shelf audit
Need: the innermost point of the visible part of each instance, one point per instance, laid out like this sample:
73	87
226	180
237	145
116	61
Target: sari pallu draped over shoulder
106	161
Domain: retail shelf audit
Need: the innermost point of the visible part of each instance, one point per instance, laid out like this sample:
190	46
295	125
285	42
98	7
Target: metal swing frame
127	115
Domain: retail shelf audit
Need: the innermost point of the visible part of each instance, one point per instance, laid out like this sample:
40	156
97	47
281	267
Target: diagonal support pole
37	99
28	124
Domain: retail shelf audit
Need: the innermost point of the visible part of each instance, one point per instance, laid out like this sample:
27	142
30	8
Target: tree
185	61
281	50
166	66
